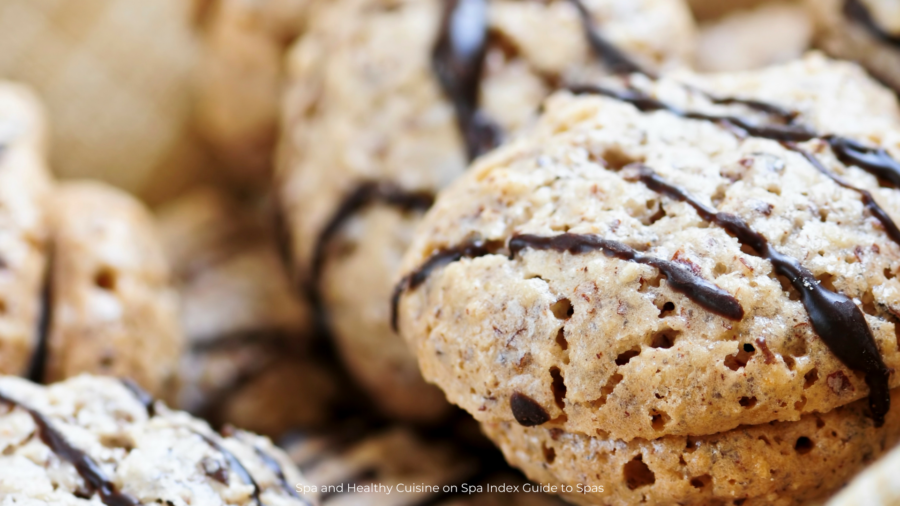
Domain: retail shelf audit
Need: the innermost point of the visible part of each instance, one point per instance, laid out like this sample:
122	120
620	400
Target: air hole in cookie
691	445
106	362
667	309
826	281
647	283
615	159
868	304
789	362
637	474
803	445
558	386
810	378
625	357
3	307
659	419
820	423
765	440
740	502
747	402
117	441
658	215
105	279
549	454
800	404
561	339
741	358
562	309
701	481
607	389
888	274
788	288
665	338
681	460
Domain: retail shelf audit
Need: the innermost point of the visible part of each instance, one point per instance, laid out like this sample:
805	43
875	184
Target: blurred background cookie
240	78
115	76
867	31
252	358
112	305
385	106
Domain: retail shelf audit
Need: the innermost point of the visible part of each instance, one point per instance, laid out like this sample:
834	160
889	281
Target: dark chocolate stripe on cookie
141	395
366	194
856	11
89	470
458	62
235	464
273	465
37	368
437	260
613	57
680	278
835	318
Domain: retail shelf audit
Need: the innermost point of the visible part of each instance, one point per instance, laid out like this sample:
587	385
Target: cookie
380	114
250	360
240	77
24	228
707	10
867	31
114	120
781	463
397	466
732	42
113	309
670	257
95	439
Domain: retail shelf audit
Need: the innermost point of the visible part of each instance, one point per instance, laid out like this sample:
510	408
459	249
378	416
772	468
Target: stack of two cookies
675	290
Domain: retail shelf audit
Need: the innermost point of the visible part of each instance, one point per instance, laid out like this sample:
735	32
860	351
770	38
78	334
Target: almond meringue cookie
376	121
662	262
92	440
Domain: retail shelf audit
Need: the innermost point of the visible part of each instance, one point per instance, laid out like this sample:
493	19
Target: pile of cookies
649	247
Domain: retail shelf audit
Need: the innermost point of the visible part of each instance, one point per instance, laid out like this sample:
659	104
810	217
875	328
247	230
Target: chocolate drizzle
365	195
680	278
834	317
875	161
527	411
856	11
458	62
89	470
437	260
616	60
235	465
141	395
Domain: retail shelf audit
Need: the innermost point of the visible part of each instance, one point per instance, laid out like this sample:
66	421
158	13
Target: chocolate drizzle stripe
680	278
834	317
37	368
141	395
614	58
868	201
437	260
235	464
856	11
273	465
89	470
365	195
458	62
875	161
